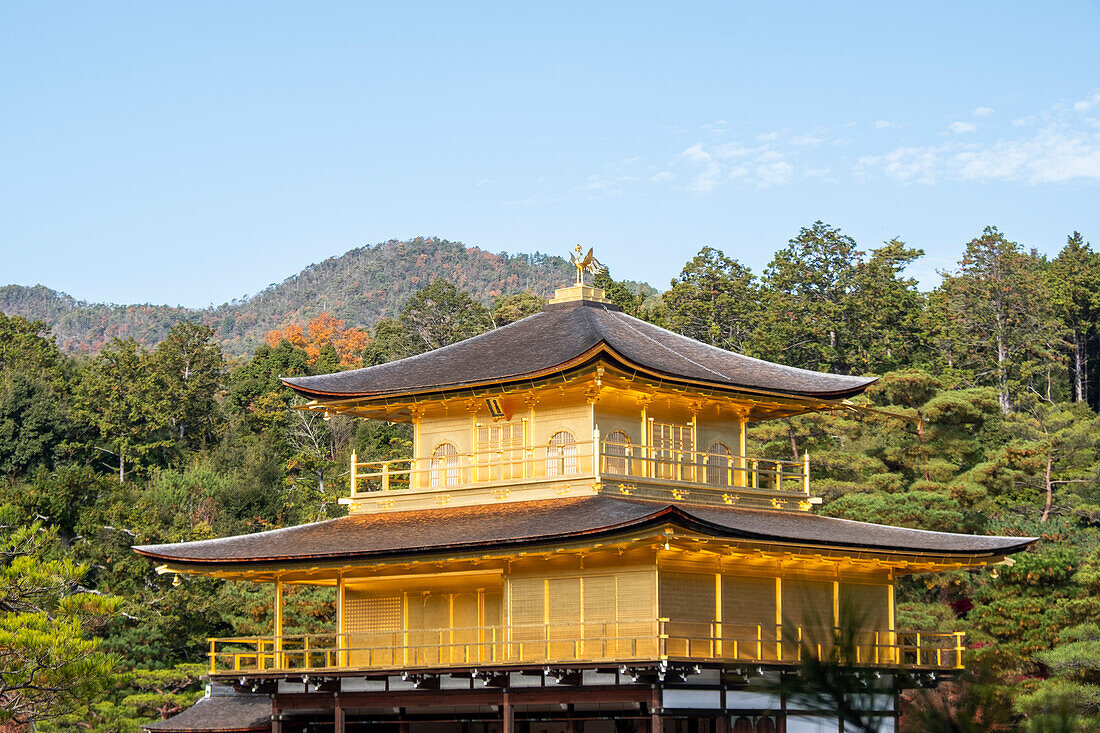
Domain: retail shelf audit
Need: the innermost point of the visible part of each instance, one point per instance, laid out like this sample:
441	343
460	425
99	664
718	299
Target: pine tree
805	291
715	300
119	395
190	368
1075	287
49	663
441	314
997	317
884	307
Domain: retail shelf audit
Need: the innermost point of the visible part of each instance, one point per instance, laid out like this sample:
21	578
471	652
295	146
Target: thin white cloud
808	139
1088	103
662	176
1057	153
906	164
983	111
704	167
961	127
731	150
696	154
774	174
706	179
882	125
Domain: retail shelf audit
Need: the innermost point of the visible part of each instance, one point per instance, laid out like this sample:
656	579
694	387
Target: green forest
984	420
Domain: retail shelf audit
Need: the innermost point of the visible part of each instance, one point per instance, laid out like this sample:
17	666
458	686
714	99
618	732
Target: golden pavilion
578	542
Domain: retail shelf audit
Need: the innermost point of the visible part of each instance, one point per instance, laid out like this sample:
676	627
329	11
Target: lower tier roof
220	713
508	525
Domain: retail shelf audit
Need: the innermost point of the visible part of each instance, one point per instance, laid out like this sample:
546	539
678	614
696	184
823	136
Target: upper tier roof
565	335
528	523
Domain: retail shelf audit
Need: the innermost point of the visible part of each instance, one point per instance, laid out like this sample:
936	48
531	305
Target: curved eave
693	520
654	519
601	350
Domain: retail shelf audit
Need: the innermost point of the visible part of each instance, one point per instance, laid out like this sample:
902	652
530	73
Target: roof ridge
652	340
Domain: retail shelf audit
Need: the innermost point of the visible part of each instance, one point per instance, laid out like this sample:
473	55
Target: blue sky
190	153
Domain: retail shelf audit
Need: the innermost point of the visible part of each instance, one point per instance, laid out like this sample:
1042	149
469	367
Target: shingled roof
218	714
565	335
507	525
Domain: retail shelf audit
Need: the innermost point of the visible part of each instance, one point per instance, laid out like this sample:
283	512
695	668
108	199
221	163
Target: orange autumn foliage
322	331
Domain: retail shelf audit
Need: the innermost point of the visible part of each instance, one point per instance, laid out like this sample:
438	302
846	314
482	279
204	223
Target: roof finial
585	263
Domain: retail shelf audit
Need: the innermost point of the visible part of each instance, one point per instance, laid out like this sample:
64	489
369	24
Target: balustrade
584	459
623	641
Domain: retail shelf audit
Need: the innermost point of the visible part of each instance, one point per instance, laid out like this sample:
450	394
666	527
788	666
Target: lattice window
748	613
687	596
446	466
719	465
867	608
869	605
672	446
367	613
808	606
616	451
500	449
561	454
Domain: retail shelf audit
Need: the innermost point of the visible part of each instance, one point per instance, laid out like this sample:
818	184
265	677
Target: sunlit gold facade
663	593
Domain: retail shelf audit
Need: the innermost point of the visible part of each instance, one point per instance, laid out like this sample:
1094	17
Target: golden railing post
212	656
354	469
651	455
386	476
278	641
742	446
662	638
806	472
341	622
597	459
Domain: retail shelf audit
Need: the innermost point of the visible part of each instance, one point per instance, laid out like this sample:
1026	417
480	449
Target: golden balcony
589	643
590	466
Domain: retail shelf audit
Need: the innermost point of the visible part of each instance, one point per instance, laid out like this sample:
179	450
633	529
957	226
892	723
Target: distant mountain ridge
361	287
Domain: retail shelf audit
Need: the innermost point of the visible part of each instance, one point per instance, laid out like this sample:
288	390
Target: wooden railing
706	469
618	642
520	463
584	459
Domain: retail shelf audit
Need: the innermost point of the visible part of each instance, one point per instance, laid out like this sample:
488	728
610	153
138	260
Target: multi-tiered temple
579	540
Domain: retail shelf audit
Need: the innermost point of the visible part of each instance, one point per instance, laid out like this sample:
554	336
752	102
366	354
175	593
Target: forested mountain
359	287
984	420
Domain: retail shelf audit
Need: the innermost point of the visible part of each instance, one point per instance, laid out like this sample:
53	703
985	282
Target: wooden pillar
507	718
276	721
656	724
339	718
